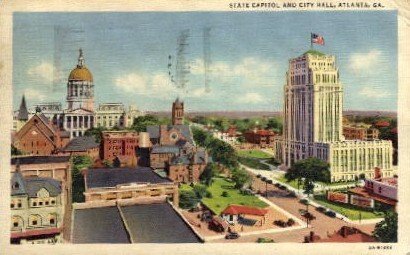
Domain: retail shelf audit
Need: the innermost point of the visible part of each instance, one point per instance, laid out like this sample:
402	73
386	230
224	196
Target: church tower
80	87
177	112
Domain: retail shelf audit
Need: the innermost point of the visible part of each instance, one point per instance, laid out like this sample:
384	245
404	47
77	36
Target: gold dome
80	74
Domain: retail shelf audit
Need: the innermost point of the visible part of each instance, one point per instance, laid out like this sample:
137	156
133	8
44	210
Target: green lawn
218	203
253	154
253	163
350	211
294	183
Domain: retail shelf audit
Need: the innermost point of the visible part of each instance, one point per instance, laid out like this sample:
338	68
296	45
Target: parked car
280	223
232	235
290	222
304	201
321	209
331	214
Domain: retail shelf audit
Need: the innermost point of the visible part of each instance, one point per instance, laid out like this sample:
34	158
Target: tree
308	187
209	172
386	230
15	151
240	177
141	122
187	199
200	136
79	163
310	170
241	139
275	124
200	190
96	133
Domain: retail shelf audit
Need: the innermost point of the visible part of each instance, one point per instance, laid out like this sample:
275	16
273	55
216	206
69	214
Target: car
321	209
280	223
232	235
331	214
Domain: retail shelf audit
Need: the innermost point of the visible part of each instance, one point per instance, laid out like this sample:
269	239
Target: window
46	203
40	203
15	224
34	203
11	205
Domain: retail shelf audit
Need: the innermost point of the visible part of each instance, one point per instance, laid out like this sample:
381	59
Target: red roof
36	232
348	235
382	123
241	209
265	132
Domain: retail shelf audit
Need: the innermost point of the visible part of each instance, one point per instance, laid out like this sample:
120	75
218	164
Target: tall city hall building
313	106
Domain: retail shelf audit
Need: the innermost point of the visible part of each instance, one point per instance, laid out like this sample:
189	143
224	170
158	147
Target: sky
127	54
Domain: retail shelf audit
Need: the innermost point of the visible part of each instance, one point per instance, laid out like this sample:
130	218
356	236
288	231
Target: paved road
321	226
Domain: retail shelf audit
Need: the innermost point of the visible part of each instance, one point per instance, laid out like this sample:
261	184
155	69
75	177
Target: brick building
82	146
160	155
39	136
263	138
360	132
187	168
345	234
119	146
177	112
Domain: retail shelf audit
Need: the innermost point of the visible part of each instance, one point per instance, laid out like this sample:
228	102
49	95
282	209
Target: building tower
177	112
313	99
80	87
313	104
23	112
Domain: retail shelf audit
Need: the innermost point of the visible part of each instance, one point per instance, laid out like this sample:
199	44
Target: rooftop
31	185
110	228
146	223
111	177
241	209
81	143
157	223
184	129
314	52
27	160
165	149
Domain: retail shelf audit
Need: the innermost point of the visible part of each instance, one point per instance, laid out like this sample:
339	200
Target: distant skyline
127	54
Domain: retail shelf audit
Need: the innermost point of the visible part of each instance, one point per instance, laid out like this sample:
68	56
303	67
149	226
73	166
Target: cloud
364	61
43	72
153	85
34	95
374	92
247	68
251	98
133	82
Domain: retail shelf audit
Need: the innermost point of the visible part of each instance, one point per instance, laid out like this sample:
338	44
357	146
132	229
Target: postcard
212	127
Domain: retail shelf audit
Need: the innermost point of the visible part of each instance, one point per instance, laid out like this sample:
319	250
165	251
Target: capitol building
313	105
80	114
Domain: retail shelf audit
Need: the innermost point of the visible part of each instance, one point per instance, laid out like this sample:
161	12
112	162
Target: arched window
16	222
34	220
52	219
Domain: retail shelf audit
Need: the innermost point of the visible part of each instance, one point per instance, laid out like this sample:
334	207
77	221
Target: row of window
35	220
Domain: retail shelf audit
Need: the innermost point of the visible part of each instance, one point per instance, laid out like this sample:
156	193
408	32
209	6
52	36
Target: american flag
315	38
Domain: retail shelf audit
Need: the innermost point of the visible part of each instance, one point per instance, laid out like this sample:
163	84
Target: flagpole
311	44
